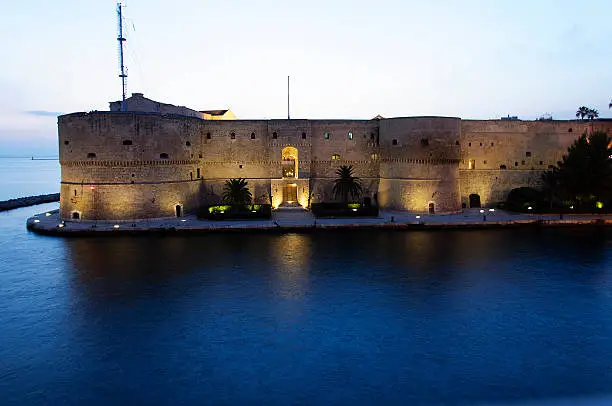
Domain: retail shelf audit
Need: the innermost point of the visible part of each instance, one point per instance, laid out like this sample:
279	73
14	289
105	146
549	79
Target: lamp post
484	216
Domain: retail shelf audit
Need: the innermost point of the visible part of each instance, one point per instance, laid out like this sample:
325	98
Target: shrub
235	212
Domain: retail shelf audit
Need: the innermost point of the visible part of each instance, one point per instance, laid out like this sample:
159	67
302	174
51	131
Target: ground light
482	211
47	214
116	226
418	217
60	225
183	220
599	205
491	210
37	221
529	208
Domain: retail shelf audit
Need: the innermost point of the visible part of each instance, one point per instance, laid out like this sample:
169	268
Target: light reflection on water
326	318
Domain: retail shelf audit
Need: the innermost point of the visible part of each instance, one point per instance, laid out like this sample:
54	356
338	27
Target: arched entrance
432	208
179	210
290	162
474	200
76	215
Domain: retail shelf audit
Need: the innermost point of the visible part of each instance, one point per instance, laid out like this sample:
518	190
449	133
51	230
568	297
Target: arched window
252	136
127	142
91	155
290	162
188	143
233	136
163	155
274	135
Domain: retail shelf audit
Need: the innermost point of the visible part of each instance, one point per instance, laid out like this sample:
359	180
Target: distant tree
582	111
592	114
346	184
610	105
236	191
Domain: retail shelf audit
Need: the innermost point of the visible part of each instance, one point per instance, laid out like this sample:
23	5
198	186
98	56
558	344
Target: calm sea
21	177
377	317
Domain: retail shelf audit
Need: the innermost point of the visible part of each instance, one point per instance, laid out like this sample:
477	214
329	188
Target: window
274	135
133	175
484	162
491	144
335	157
522	162
303	136
240	166
127	142
456	142
66	142
191	175
394	142
350	135
75	192
187	143
424	142
527	154
372	136
569	130
469	144
471	164
207	136
233	136
163	155
198	173
326	136
374	157
502	167
252	136
481	144
515	163
91	155
76	215
541	162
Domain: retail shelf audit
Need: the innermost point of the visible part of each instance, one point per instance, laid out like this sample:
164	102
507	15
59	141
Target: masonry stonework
135	165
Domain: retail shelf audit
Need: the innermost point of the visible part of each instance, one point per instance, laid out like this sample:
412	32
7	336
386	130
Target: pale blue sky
347	59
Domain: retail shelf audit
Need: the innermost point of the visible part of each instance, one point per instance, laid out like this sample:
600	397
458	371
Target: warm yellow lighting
116	226
471	164
290	201
37	221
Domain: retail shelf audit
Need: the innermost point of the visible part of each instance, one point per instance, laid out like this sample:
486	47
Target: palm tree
346	184
236	191
582	112
592	113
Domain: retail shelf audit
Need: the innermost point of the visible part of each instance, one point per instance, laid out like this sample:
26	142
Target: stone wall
498	155
419	164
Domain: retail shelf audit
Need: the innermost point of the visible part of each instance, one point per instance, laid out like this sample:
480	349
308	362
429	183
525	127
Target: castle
157	160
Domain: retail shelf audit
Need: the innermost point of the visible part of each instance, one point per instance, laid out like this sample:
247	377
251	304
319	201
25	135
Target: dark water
473	317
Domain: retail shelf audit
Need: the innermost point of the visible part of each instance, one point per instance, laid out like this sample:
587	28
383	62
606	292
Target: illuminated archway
290	162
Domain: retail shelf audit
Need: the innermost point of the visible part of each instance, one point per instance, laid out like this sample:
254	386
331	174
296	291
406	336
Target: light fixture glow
47	214
418	217
529	208
183	220
37	221
116	226
354	209
491	210
60	225
222	211
92	187
482	211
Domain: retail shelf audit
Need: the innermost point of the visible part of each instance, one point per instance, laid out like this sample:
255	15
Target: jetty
28	201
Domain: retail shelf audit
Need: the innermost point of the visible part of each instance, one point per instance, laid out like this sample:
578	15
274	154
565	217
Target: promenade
300	220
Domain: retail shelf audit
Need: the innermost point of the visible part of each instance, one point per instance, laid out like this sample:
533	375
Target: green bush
520	199
235	212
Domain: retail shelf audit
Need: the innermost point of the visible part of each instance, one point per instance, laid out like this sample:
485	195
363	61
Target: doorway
475	200
179	210
432	208
290	193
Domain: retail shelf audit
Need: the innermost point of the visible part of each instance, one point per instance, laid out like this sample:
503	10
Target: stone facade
134	165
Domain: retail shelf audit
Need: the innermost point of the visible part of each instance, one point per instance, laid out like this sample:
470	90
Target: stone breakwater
300	221
28	201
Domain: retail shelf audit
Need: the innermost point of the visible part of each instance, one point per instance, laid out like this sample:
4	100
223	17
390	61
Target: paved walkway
302	220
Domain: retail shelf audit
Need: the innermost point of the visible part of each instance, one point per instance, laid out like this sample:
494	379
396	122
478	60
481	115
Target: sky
476	59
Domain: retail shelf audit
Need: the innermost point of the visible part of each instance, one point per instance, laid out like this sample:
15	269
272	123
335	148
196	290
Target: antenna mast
288	115
121	40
